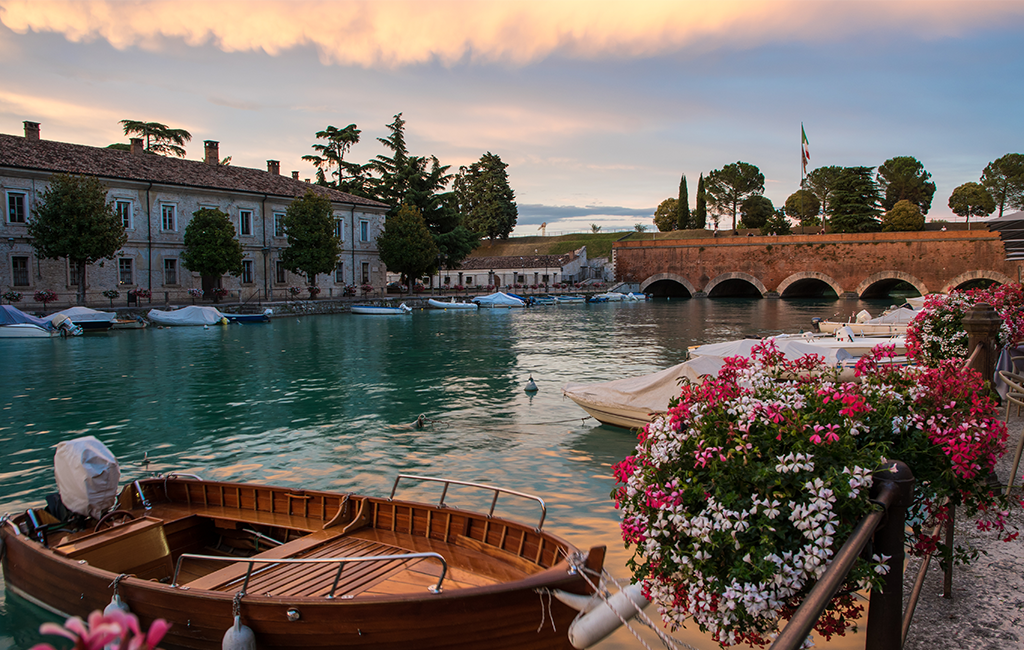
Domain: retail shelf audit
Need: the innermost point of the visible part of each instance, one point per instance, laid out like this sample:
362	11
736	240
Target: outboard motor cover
87	476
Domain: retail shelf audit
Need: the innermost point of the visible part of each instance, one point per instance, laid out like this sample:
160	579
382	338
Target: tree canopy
406	245
727	187
211	248
331	167
312	242
485	198
821	182
971	200
776	224
904	178
855	201
904	216
803	206
756	210
160	138
73	221
683	219
666	214
1004	180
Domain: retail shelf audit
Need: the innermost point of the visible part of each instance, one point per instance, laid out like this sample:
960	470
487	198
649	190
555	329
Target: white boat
89	320
499	300
451	304
192	315
892	323
16	324
376	310
611	296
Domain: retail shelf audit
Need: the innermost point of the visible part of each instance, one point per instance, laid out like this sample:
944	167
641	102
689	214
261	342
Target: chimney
274	167
295	175
31	130
137	149
212	152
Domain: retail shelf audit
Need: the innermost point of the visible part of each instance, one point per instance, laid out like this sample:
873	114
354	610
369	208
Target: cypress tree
683	206
700	214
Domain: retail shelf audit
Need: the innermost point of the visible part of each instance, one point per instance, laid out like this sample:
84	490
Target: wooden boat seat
138	547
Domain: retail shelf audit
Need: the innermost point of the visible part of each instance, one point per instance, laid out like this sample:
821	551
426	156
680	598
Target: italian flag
805	152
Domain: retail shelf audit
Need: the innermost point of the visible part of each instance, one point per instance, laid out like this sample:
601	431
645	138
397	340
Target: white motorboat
499	300
892	323
192	315
611	296
90	320
451	304
378	310
16	324
570	300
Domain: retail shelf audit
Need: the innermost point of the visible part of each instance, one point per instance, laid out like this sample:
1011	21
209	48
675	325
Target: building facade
155	197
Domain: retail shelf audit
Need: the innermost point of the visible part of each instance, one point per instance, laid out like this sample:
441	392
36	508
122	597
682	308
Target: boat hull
440	304
378	311
26	331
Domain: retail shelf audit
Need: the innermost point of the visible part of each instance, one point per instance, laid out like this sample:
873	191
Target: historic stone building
155	197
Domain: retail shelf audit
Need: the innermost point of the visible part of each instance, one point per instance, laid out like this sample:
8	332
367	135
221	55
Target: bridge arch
970	276
807	283
878	285
663	282
734	280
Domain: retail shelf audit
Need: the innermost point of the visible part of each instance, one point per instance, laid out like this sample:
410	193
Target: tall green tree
312	243
904	178
211	246
905	216
700	212
666	215
331	167
73	221
803	206
486	199
729	186
160	138
683	220
755	211
1004	180
821	182
406	246
971	200
391	172
855	201
776	224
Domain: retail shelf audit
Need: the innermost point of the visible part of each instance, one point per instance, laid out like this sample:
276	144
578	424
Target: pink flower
104	630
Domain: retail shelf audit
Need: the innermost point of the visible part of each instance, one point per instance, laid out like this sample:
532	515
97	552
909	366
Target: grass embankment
598	244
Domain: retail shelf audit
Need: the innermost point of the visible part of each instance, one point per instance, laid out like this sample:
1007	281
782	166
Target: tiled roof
49	156
514	262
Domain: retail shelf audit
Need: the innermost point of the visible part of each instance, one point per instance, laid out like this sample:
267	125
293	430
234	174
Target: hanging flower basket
195	293
294	291
12	296
737	499
139	294
314	291
44	296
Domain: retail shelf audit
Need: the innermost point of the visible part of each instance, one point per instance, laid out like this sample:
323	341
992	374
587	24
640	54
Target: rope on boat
545	610
117	582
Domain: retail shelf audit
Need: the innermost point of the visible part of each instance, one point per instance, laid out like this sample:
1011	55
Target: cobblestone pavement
986	611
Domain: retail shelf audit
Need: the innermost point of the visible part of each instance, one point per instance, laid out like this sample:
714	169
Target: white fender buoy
606	617
239	637
116	604
531	386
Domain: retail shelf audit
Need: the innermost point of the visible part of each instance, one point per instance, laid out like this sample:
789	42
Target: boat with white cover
499	300
192	315
16	324
90	320
451	304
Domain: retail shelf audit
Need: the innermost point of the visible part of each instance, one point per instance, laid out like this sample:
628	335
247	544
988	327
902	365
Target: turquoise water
326	402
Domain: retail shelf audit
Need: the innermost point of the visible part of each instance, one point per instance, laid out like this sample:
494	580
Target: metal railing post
885	611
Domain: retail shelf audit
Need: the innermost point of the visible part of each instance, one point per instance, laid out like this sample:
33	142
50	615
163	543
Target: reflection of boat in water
16	324
377	310
300	568
451	304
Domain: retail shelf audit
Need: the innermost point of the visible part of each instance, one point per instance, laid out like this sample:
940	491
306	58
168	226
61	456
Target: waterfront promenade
987	608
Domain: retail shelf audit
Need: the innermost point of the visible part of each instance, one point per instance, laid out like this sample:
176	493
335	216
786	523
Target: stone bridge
868	265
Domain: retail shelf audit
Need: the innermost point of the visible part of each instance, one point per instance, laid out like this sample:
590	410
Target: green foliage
485	198
683	221
727	187
640	227
331	168
406	245
904	216
594	228
804	206
665	215
756	210
821	182
1004	180
971	200
312	244
73	221
455	245
777	224
855	201
700	213
160	138
904	178
211	249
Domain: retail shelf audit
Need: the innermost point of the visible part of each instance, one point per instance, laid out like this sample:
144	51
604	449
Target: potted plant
366	288
219	293
737	499
12	296
44	296
111	295
195	293
314	291
139	294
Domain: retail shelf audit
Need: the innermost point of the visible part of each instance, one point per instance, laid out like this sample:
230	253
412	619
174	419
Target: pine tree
683	206
855	201
700	214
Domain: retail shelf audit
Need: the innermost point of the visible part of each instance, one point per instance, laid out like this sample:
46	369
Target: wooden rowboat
314	569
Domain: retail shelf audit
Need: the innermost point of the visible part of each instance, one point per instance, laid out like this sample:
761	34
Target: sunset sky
596	106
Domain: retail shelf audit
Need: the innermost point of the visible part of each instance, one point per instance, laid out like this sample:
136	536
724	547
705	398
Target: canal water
326	402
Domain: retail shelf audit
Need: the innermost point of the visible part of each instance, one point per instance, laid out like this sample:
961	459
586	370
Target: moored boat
451	304
379	310
90	320
301	568
570	300
193	315
16	324
499	300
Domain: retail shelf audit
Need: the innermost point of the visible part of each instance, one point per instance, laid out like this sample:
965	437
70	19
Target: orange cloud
403	32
